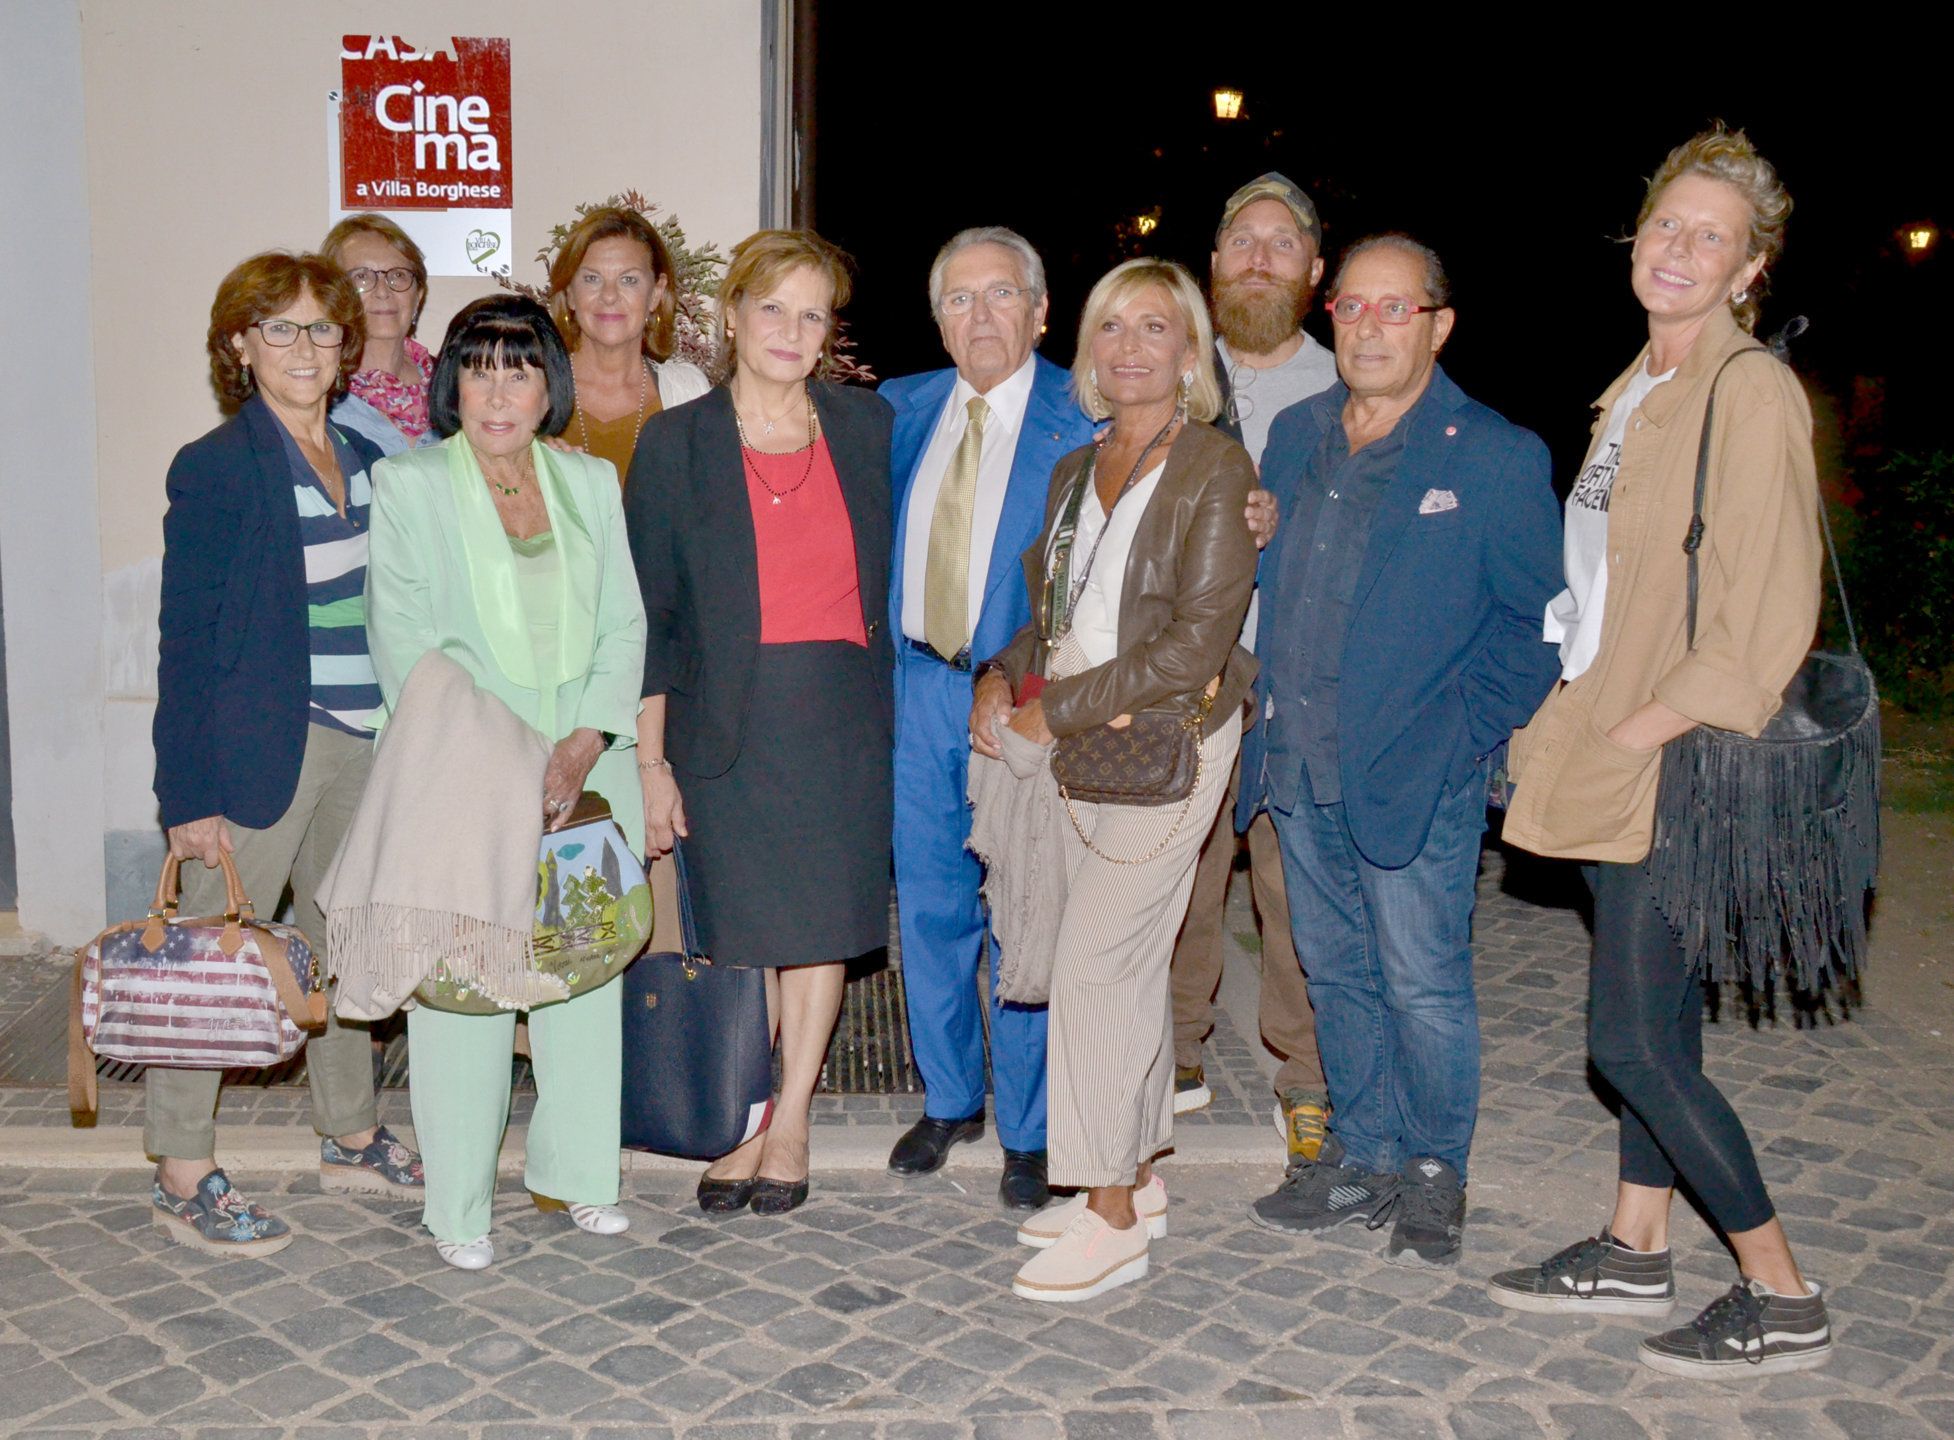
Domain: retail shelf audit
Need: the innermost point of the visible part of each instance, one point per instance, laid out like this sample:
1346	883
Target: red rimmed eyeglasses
1391	309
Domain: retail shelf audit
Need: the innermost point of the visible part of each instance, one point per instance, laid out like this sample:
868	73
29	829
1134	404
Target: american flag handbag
219	992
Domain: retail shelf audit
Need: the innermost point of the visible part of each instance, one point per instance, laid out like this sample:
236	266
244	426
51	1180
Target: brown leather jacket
1186	588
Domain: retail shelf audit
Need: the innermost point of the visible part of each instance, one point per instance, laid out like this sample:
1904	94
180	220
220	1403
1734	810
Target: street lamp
1227	104
1920	238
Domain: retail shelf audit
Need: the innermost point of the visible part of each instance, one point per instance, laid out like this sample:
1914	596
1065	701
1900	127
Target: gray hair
1438	284
1032	268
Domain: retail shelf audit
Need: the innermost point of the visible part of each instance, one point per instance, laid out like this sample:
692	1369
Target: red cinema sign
424	129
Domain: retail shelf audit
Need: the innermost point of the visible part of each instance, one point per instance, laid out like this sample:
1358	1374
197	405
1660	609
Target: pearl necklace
637	422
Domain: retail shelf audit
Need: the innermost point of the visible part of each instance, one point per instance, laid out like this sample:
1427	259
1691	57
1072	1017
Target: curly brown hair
611	222
257	290
1728	155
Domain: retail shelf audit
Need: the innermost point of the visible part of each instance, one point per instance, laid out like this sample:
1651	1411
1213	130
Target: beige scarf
439	866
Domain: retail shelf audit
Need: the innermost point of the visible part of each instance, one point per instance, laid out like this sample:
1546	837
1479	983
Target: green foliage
1900	576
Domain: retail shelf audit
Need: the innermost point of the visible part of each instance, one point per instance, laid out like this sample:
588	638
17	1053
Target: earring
1092	379
1740	297
1187	389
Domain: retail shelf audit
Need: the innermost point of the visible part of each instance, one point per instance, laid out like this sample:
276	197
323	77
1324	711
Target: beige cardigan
1582	795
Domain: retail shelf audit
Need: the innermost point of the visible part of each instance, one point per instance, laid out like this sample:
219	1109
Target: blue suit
942	920
1441	660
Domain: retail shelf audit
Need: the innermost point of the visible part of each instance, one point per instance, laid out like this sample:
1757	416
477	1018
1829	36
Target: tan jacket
1188	578
1580	794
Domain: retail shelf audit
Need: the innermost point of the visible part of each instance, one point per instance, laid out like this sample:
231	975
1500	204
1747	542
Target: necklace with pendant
747	450
529	473
767	426
637	421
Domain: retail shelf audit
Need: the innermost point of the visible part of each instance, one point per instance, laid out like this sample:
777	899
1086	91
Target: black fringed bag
1765	849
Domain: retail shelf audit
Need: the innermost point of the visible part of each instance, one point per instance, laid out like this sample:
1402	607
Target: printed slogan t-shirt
1574	616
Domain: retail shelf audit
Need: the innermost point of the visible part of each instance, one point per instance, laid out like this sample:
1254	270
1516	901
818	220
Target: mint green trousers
458	1081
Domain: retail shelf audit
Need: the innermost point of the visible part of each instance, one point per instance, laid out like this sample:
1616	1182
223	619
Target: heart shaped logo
481	244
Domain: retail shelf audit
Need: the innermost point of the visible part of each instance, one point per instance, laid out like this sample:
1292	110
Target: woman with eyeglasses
263	696
386	397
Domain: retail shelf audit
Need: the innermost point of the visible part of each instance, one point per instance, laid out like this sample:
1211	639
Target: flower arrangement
696	271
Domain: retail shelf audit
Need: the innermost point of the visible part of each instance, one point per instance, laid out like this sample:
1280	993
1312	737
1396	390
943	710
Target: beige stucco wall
204	129
206	136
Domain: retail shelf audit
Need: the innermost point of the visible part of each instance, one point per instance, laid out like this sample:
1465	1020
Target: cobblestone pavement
880	1311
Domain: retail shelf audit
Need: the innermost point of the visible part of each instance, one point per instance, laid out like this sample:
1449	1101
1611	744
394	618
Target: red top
809	588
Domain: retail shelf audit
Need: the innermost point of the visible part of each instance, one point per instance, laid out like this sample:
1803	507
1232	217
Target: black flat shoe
724	1197
1023	1186
777	1197
926	1144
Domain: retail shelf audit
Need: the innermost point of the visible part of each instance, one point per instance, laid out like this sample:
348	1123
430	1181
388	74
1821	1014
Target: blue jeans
1388	954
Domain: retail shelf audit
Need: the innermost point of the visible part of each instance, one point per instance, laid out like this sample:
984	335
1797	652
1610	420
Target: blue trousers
1388	954
942	920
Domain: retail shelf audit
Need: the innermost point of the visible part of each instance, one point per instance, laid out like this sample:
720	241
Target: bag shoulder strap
688	926
1693	540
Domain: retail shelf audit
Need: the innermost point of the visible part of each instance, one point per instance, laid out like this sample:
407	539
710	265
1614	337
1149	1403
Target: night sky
1523	176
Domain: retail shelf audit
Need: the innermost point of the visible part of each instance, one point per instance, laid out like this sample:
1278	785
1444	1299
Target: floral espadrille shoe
383	1167
217	1220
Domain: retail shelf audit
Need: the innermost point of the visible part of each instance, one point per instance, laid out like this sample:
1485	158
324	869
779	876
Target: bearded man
1263	272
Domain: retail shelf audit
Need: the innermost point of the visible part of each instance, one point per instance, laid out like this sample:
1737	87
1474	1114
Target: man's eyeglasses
1391	310
997	297
326	334
398	278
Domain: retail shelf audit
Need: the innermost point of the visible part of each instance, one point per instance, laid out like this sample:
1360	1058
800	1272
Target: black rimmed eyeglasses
326	334
398	278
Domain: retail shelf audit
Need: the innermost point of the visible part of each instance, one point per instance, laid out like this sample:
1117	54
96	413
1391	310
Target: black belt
959	662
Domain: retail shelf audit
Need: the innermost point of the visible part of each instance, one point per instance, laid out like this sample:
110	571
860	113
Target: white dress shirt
1007	400
1095	620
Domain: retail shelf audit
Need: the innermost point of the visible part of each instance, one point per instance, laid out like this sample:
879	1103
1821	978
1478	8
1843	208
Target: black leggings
1645	1035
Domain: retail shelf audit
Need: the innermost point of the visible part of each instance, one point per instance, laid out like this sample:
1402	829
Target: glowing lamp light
1146	224
1227	104
1920	237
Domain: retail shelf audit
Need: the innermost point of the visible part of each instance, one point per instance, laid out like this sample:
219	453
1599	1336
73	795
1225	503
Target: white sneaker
1043	1229
1089	1259
600	1219
467	1255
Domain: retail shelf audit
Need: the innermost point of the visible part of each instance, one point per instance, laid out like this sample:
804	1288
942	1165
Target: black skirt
788	855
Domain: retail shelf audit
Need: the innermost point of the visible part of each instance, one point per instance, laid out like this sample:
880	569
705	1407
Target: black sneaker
1749	1331
1431	1211
1600	1276
1323	1192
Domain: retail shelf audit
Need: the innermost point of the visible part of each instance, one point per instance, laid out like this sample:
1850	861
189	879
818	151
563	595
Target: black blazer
691	531
234	673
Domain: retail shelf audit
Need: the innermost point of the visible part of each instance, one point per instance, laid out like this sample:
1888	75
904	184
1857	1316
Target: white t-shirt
1007	401
1574	616
1095	620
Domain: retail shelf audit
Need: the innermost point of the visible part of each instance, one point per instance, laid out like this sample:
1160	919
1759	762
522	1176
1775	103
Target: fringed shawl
439	866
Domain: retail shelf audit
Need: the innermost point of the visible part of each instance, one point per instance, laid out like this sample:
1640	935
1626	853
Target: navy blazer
234	671
1443	660
690	525
1053	426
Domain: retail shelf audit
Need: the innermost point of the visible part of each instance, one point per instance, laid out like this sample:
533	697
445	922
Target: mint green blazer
440	576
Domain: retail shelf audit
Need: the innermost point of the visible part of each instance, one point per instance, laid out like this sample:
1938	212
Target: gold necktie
946	583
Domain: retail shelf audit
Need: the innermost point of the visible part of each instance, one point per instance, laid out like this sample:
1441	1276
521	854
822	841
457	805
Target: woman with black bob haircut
508	557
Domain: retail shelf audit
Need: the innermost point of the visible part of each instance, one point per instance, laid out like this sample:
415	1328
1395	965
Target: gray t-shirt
1260	396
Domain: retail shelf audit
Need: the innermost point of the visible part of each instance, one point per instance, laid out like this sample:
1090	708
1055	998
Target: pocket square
1437	502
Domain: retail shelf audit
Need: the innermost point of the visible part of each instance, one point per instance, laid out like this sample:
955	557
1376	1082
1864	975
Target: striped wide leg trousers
1110	1047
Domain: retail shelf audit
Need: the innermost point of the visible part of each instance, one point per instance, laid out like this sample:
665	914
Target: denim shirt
1318	584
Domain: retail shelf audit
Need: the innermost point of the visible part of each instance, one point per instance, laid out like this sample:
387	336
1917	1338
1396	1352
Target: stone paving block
36	1388
161	1390
1491	1420
1595	1422
1015	1427
634	1366
1393	1422
1866	1420
645	1311
107	1361
486	1407
242	1358
1111	1425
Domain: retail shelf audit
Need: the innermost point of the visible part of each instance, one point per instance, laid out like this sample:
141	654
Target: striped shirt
345	690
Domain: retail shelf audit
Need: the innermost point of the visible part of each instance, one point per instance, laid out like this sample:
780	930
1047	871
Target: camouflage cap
1274	186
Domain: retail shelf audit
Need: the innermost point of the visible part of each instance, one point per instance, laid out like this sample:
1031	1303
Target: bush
1900	572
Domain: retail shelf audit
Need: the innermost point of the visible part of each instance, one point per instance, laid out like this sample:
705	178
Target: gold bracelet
660	763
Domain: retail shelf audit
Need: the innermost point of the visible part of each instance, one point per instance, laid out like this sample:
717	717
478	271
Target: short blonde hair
761	261
1115	288
1729	156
